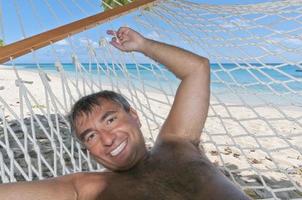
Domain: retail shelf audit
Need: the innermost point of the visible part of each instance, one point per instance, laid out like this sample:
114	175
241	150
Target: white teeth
118	149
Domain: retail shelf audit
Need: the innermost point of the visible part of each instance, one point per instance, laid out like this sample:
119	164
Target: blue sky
23	18
28	12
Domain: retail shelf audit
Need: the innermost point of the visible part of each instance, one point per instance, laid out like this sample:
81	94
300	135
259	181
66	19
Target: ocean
272	78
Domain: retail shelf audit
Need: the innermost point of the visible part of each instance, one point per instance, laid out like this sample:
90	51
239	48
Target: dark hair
86	104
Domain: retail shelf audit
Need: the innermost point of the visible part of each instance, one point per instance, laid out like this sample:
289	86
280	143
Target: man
109	128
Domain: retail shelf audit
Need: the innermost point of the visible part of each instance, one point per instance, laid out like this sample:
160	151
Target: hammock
254	127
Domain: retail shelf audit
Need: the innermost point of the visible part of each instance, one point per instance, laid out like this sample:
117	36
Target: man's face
112	135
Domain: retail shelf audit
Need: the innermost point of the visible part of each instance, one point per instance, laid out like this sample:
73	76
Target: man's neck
141	164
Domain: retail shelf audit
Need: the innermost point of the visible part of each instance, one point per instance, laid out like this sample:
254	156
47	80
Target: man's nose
107	138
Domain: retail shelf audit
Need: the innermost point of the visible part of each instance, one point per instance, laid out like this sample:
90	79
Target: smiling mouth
118	149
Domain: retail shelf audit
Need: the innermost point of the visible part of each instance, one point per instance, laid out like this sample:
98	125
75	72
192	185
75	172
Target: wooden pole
25	46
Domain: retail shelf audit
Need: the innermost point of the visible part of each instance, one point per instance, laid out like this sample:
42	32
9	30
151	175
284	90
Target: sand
253	145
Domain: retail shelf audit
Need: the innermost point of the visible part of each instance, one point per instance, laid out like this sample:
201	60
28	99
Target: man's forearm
38	190
181	62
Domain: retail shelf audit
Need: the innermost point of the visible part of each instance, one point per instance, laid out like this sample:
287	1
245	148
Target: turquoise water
146	71
255	77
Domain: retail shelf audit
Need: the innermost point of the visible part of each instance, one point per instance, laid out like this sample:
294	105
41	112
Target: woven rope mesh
254	126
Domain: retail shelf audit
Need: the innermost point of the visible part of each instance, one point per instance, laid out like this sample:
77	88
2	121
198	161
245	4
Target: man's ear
134	114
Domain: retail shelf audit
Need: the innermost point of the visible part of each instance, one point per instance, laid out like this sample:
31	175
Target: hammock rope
254	126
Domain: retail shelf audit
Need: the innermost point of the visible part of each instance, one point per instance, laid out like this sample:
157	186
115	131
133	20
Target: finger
122	31
117	45
115	35
115	39
111	32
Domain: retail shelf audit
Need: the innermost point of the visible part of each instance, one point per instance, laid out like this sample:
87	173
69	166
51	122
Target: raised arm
189	110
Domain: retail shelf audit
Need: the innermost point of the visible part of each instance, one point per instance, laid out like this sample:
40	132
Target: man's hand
127	39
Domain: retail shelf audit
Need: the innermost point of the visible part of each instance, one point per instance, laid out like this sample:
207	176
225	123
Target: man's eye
90	137
110	120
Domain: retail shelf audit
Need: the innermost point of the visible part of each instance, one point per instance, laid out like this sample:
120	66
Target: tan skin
175	168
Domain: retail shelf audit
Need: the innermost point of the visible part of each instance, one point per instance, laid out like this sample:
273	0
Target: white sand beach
249	145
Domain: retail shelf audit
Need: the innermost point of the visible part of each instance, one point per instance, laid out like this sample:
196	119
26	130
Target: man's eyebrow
83	134
107	114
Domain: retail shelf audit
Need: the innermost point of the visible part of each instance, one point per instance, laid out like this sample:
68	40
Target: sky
24	18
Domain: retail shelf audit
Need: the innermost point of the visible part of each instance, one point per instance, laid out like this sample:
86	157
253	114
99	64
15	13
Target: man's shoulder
176	141
90	176
173	144
89	185
171	137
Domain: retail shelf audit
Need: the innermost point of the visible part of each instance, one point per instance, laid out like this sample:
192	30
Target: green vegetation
1	43
113	3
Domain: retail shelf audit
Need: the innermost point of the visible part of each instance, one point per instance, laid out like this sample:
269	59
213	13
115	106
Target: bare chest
164	177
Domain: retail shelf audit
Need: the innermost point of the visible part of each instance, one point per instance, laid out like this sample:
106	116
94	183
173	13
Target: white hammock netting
254	127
